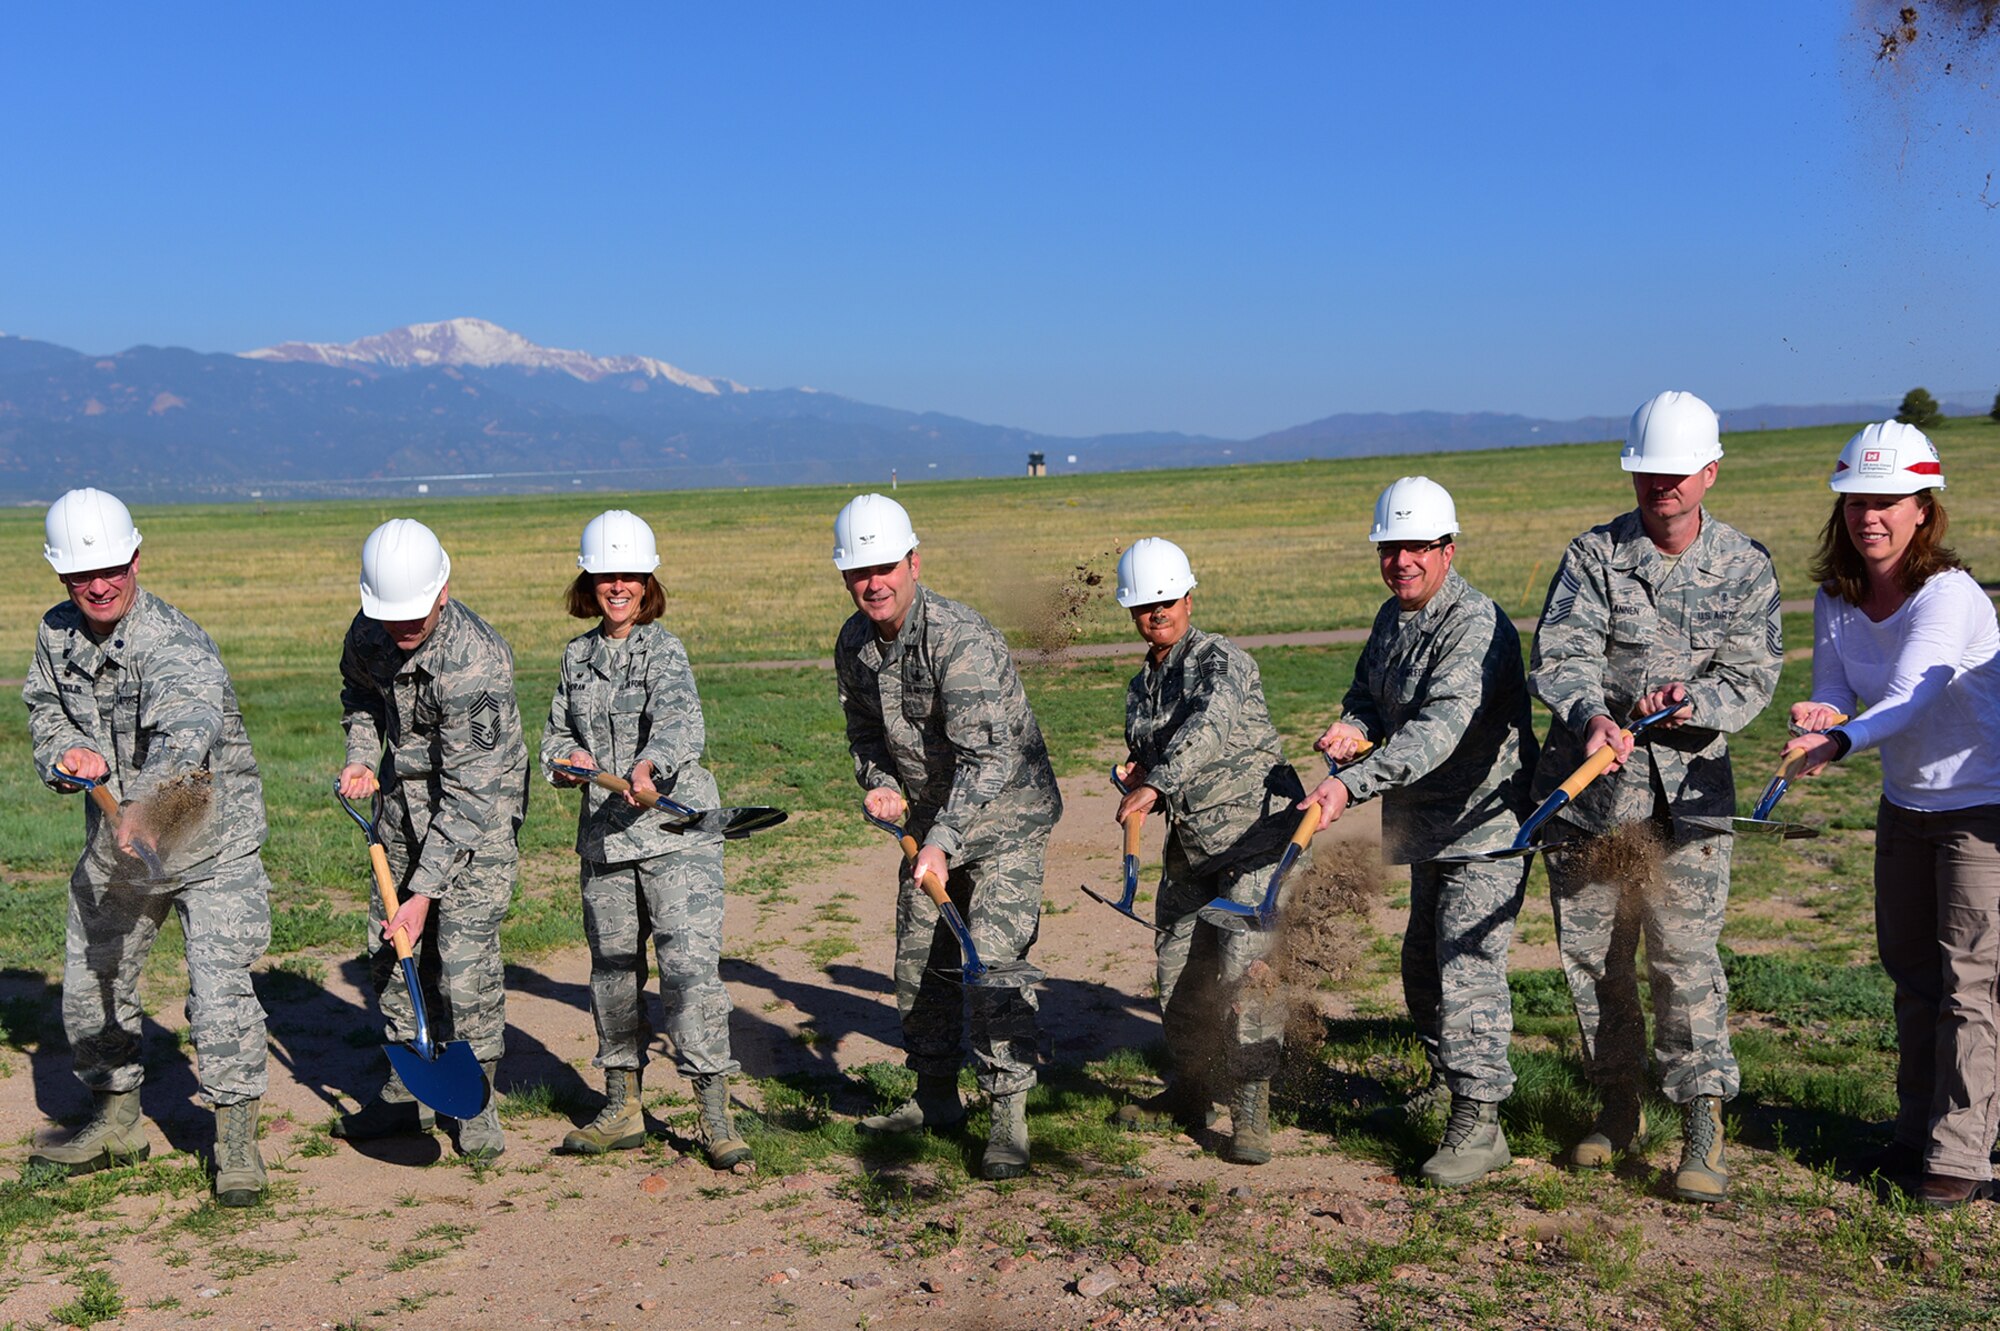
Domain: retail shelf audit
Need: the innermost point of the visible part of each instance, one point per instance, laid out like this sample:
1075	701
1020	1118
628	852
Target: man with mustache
941	731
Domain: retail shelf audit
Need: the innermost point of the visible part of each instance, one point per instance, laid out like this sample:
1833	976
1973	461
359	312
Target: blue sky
1073	218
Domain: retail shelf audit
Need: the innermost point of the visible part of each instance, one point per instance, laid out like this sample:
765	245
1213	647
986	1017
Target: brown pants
1937	922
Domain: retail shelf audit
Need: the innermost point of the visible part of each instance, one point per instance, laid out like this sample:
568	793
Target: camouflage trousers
1676	905
1455	971
1218	1030
225	914
1000	897
458	957
676	901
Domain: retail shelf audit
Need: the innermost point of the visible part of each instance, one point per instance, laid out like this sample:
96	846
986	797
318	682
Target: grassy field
1278	548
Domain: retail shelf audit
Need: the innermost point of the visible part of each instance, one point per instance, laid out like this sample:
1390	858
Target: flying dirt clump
1946	28
180	807
1056	612
1630	856
1322	935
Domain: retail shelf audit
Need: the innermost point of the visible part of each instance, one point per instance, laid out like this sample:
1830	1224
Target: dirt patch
1321	938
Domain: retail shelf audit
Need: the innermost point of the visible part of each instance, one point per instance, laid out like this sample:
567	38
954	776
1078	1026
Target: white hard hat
617	542
1153	570
871	530
89	529
1888	459
1415	508
1674	434
403	568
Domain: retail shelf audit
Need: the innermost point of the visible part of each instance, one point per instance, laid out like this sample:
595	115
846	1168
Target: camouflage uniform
940	713
625	702
155	702
1198	724
1622	619
1441	693
454	774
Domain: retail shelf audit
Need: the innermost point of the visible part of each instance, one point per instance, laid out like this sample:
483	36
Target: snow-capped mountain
486	345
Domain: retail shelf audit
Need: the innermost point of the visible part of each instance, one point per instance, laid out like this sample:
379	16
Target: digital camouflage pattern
624	702
1197	722
1622	620
939	713
154	700
1441	693
443	730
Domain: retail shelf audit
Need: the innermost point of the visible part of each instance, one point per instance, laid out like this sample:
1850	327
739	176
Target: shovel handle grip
385	887
618	785
1308	825
106	802
1132	826
1592	768
934	889
1794	759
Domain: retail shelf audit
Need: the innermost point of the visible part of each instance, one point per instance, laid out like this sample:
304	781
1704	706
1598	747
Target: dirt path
648	1238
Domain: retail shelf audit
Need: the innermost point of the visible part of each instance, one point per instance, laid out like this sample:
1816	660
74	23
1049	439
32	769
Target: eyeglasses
1390	549
88	576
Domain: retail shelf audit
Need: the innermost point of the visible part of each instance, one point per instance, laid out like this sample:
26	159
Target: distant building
1037	465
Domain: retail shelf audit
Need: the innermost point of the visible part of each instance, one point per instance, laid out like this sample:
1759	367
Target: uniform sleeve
1830	685
1463	659
559	736
1221	686
1738	681
50	727
362	713
475	768
1937	637
867	737
183	696
677	732
1566	666
980	732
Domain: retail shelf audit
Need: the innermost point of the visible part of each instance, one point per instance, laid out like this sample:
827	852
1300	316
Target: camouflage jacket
1198	724
940	711
623	706
155	702
443	724
1621	620
1442	695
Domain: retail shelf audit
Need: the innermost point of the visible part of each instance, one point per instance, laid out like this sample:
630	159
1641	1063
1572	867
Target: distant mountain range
467	406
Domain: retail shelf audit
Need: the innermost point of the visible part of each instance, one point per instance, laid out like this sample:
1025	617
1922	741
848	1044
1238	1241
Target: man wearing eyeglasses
1440	695
128	696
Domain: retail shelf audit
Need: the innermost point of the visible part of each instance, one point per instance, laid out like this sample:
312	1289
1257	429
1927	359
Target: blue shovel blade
453	1083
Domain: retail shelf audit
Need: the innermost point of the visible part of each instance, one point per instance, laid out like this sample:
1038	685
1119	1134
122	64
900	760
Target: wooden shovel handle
107	804
934	889
385	887
1132	826
1308	825
619	785
1794	759
1592	768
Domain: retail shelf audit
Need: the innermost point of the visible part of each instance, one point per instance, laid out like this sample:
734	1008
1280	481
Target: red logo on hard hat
1871	455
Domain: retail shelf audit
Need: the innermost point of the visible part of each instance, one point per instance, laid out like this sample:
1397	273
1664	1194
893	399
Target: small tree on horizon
1921	410
1995	413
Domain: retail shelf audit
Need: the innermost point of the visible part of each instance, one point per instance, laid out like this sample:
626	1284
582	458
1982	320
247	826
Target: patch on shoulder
1568	584
485	721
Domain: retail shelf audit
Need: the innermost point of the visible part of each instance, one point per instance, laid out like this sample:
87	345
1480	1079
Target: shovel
448	1078
1591	768
1233	916
1760	821
729	824
1124	903
107	804
974	972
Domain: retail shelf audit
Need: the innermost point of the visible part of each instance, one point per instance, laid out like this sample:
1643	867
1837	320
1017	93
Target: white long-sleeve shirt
1932	683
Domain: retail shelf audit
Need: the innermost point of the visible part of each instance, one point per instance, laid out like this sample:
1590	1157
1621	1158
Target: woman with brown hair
626	703
1900	622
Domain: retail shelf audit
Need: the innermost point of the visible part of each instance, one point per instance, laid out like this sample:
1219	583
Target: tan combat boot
1473	1145
719	1142
239	1169
1250	1125
1702	1176
620	1125
935	1105
1620	1122
479	1137
114	1136
1007	1139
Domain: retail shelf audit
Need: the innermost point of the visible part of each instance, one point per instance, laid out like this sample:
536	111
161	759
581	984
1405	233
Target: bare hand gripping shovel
1760	821
1236	917
107	804
973	971
729	824
448	1078
1577	781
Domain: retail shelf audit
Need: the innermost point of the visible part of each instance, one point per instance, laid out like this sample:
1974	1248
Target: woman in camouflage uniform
626	703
